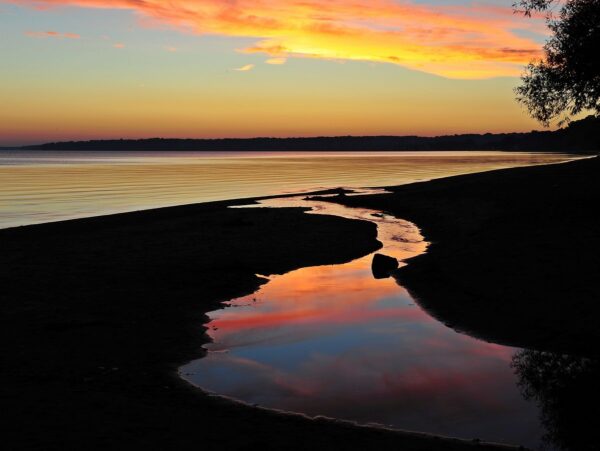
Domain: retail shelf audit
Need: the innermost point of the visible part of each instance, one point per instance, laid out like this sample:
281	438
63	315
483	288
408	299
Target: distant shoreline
579	136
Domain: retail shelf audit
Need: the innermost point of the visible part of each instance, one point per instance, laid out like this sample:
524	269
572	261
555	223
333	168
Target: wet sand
99	313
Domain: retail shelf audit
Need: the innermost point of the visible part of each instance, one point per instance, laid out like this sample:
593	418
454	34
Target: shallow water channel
335	341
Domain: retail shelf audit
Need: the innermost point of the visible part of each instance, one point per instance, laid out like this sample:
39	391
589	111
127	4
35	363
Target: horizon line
259	137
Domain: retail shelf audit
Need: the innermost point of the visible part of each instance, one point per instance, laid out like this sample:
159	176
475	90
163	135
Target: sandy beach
101	312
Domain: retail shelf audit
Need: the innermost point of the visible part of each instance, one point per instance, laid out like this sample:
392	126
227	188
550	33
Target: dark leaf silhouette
567	80
566	389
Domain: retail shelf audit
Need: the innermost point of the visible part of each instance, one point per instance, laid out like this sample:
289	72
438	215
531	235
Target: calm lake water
38	187
327	340
335	341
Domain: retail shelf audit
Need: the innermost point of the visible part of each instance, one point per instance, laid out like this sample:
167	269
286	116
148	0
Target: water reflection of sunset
49	186
312	296
333	340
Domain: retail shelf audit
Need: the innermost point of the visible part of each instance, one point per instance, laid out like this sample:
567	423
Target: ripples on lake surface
38	187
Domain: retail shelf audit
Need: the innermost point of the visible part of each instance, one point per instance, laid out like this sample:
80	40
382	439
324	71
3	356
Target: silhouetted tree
567	392
567	80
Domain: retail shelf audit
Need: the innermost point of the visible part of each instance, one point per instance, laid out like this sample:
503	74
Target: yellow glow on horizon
60	111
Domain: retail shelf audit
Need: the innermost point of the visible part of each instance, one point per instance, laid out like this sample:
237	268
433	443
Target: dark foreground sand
99	313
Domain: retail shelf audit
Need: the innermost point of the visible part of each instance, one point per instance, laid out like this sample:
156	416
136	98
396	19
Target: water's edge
373	216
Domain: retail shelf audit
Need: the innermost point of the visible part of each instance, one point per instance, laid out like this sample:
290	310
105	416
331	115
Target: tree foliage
567	80
566	391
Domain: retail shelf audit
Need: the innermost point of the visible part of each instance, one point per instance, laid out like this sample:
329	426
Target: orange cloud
245	68
51	34
451	40
277	61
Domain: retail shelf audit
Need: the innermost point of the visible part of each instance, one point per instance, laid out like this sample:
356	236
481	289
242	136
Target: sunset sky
83	69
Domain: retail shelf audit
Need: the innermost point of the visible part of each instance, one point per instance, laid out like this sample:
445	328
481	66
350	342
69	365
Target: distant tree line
581	136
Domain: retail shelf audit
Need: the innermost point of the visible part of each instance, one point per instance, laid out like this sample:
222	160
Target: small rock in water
382	266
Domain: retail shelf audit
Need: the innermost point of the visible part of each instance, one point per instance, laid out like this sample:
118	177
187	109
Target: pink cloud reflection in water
334	341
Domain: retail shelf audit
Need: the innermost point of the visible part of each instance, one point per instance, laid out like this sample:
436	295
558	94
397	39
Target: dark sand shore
515	258
515	253
99	313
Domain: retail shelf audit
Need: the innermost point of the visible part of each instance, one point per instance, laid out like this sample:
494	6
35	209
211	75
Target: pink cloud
277	61
51	34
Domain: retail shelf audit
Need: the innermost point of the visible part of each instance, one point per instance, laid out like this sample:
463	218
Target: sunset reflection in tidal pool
335	341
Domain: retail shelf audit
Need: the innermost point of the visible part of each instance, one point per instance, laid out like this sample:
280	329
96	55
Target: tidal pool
335	341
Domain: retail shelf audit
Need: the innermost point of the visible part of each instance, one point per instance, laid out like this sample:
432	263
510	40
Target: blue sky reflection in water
334	341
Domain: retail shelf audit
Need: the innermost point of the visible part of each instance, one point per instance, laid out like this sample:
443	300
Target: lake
328	340
38	186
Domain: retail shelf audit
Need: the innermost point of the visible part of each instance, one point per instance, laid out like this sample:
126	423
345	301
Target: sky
89	69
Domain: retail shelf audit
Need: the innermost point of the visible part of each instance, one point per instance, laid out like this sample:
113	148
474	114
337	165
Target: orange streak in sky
451	41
